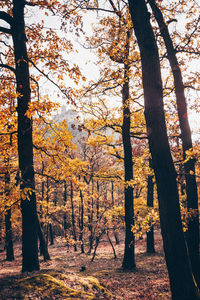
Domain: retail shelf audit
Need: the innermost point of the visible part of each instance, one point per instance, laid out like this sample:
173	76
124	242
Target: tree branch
8	67
5	30
6	17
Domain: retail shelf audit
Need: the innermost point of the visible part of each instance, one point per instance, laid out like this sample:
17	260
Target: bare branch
5	30
6	17
46	75
8	67
8	133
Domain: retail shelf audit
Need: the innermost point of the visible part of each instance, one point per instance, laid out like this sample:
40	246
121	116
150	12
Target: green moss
91	283
55	285
47	284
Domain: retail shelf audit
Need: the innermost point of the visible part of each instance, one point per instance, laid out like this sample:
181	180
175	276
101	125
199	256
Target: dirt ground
148	281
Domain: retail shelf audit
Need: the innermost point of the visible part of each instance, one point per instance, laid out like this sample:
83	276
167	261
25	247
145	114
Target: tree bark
65	201
81	222
73	218
182	282
8	223
129	251
192	234
51	237
43	244
9	242
150	233
30	260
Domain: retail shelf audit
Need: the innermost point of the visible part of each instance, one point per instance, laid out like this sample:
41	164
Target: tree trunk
51	234
113	248
129	251
9	242
150	233
81	221
8	224
47	212
97	206
1	221
113	204
90	218
30	260
182	282
192	234
73	218
43	244
65	201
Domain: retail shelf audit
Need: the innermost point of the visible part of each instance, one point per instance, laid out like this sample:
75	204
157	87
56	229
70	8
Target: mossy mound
59	286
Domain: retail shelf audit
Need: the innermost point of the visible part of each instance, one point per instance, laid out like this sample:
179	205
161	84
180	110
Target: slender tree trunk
42	192
98	238
182	282
8	224
90	219
73	218
51	234
113	204
30	260
65	201
150	233
47	212
81	221
97	207
9	242
113	248
192	234
43	244
112	193
129	251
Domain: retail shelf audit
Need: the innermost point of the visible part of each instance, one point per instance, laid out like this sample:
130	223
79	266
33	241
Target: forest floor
62	277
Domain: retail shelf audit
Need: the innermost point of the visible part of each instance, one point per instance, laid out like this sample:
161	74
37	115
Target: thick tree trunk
129	251
30	260
192	234
182	282
150	233
1	221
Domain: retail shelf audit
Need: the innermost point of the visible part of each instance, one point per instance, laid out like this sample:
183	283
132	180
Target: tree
189	166
25	142
150	198
8	223
181	280
27	51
